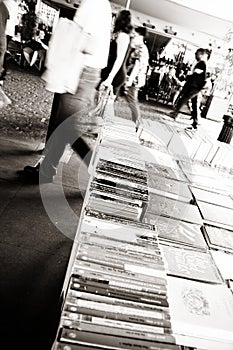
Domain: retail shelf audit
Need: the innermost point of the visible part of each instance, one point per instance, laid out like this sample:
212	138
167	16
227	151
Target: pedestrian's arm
133	74
198	71
122	47
200	67
43	45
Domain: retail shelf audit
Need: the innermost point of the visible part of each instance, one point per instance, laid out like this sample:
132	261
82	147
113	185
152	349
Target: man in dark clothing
4	15
194	84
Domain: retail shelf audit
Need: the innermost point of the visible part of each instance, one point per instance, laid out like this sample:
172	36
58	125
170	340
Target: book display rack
141	273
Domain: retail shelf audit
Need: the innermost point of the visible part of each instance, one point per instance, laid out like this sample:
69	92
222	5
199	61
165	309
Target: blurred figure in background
194	84
115	72
137	66
35	50
4	16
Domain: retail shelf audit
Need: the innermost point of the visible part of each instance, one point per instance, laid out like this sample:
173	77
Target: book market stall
150	264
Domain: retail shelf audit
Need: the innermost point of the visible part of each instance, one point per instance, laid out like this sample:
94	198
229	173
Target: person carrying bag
71	119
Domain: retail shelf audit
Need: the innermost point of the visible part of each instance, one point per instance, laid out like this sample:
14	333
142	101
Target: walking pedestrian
137	70
194	84
69	121
115	73
4	15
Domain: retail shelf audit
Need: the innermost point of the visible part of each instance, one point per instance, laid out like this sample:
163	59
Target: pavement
34	253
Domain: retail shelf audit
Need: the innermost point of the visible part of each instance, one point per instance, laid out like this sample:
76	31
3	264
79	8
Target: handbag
92	120
65	57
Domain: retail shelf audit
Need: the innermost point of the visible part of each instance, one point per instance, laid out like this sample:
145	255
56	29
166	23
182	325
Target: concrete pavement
34	253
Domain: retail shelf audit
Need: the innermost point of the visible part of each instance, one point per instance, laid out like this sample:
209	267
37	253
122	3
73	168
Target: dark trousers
70	123
131	97
2	54
188	92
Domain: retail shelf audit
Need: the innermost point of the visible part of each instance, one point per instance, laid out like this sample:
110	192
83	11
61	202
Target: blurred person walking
137	66
194	84
69	118
4	15
115	73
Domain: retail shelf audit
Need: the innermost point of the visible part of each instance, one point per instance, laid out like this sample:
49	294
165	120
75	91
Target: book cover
201	310
165	171
191	264
224	263
215	214
219	238
212	197
173	209
179	188
180	232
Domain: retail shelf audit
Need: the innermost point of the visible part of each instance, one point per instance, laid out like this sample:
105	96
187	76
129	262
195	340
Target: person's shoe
30	169
34	177
191	128
173	115
137	125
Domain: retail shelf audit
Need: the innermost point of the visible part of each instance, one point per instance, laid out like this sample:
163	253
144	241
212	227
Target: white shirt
96	18
12	7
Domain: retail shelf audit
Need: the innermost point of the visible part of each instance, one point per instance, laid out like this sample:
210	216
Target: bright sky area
219	8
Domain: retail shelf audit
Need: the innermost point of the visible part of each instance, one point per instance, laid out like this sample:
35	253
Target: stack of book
118	190
119	184
142	274
117	295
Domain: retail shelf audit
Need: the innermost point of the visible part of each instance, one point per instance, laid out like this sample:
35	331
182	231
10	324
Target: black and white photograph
116	174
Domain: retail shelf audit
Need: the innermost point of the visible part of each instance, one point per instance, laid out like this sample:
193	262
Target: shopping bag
91	121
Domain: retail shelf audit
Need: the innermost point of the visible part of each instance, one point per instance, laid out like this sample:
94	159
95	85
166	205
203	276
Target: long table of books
151	265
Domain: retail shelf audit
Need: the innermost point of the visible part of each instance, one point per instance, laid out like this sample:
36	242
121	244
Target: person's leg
2	55
27	53
76	107
199	105
34	58
183	98
83	150
41	55
187	93
53	151
194	112
131	97
69	125
53	114
175	97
